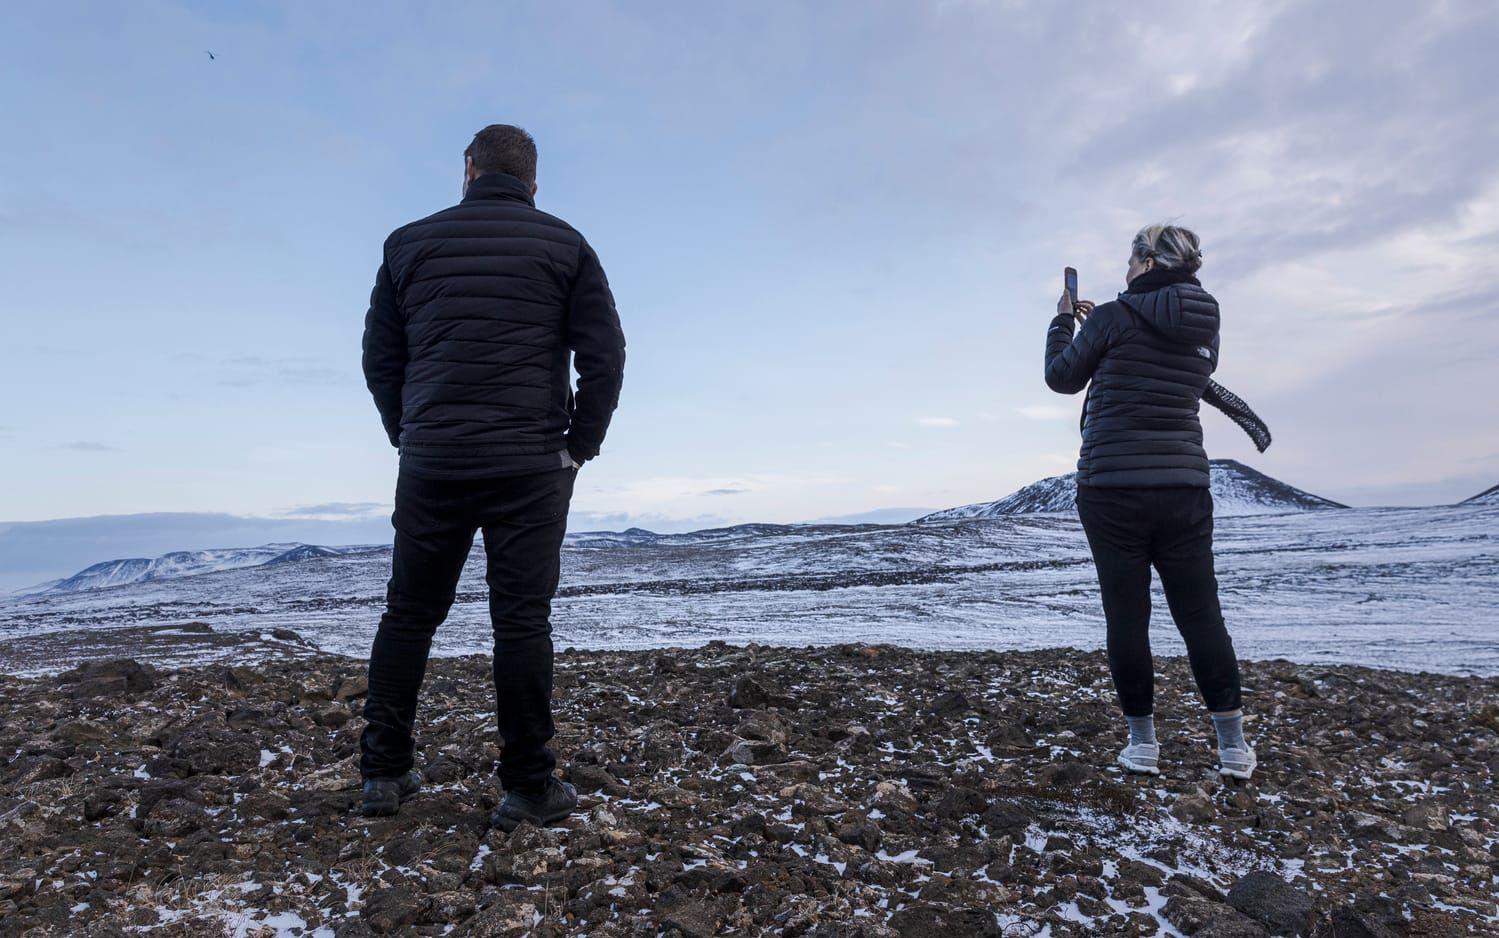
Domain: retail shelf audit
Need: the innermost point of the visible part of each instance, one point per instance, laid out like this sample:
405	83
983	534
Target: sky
835	233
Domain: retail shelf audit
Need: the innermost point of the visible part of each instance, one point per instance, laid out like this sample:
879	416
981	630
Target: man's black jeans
523	519
1131	530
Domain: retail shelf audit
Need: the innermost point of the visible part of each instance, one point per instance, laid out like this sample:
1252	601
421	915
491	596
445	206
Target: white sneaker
1142	758
1237	763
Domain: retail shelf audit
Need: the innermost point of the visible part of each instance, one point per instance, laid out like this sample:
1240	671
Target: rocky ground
840	791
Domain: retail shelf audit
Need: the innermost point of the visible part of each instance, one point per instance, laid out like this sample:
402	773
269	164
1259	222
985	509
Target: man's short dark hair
503	148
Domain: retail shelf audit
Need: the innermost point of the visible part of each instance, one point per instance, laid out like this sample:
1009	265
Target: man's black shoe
557	802
383	796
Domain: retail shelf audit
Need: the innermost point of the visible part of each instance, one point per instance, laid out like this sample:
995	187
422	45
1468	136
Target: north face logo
1204	351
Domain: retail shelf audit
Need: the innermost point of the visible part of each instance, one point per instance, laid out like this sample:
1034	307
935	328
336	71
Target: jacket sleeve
1070	362
598	346
385	353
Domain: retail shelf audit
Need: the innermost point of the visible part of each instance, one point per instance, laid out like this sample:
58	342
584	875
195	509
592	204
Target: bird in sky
210	55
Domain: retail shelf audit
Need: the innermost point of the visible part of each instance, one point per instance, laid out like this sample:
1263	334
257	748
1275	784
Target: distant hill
184	563
1237	490
1488	496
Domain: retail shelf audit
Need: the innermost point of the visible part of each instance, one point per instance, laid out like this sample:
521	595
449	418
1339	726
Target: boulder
748	694
212	751
931	921
1267	898
1196	808
114	678
754	752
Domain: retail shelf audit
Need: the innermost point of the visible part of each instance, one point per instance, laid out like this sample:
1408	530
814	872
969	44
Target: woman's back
1143	493
1149	355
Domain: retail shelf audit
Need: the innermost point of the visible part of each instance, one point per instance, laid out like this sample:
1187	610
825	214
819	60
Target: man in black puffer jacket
1142	481
477	314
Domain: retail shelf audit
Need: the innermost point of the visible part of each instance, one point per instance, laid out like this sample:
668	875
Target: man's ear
533	190
469	172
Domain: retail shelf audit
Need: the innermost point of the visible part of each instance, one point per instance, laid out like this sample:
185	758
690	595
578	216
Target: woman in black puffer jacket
1142	478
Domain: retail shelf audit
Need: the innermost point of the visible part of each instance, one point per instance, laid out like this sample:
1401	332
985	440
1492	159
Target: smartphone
1069	279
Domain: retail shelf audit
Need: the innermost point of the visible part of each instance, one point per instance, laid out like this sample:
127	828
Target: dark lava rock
119	677
1266	898
216	751
352	688
1064	775
754	752
748	694
1195	808
853	803
950	704
1354	923
30	769
389	909
931	921
1009	736
174	817
1006	817
861	833
692	917
503	919
1231	925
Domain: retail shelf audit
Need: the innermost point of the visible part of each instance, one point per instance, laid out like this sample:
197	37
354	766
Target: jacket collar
499	186
1158	277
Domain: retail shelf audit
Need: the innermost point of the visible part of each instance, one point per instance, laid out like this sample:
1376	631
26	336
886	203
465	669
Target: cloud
244	371
335	510
659	492
89	446
1046	412
944	423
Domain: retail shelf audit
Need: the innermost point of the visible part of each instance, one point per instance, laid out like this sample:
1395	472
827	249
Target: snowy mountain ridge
183	563
1237	490
1489	496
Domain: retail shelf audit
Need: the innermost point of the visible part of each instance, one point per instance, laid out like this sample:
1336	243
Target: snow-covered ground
1407	588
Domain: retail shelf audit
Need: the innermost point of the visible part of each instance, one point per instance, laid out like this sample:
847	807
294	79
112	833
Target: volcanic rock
1267	898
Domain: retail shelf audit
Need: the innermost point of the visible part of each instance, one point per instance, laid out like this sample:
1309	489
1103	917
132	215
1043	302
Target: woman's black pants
1171	529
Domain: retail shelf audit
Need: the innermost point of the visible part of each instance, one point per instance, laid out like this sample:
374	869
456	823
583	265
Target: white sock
1141	729
1230	728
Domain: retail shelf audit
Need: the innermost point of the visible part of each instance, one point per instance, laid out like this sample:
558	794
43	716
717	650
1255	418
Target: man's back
474	316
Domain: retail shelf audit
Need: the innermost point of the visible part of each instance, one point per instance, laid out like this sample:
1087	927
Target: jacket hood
1181	311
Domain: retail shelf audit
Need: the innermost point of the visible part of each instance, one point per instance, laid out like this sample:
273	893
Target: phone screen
1069	278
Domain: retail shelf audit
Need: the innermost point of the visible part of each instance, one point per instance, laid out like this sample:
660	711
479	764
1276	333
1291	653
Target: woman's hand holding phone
1069	304
1078	309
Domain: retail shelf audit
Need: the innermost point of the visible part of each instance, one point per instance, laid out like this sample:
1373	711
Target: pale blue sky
835	233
